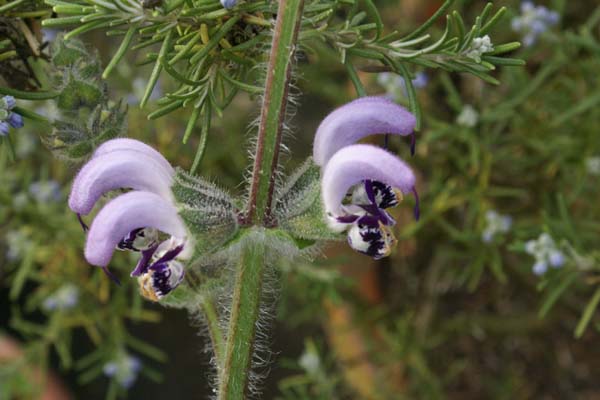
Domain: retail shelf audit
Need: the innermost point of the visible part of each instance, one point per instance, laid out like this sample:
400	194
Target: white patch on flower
356	240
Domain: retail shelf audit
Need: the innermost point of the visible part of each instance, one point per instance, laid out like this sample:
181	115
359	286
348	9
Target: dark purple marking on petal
384	195
369	191
162	274
368	220
417	208
127	242
144	261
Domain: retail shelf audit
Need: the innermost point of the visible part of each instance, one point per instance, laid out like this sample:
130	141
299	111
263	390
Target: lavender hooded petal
356	120
353	164
122	215
114	170
134	145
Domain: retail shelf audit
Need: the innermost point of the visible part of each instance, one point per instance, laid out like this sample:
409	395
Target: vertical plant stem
234	378
279	71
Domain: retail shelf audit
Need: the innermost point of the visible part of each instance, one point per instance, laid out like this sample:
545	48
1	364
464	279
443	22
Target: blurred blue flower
395	85
124	369
540	267
533	21
546	253
8	117
8	103
45	191
65	298
15	120
4	127
49	34
228	4
495	224
18	243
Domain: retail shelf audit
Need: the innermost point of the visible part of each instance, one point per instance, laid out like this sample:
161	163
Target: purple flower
376	178
132	221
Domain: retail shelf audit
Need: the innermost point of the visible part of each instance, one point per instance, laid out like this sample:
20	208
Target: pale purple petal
132	144
353	164
356	120
115	170
125	213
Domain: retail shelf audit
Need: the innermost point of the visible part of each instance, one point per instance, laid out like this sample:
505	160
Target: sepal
207	211
298	206
75	142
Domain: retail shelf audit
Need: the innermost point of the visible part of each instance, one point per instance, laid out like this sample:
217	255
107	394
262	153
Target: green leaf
586	317
556	292
120	51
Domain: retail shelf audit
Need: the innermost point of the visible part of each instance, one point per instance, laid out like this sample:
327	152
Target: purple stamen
413	143
347	219
143	263
111	276
417	209
168	256
82	223
386	140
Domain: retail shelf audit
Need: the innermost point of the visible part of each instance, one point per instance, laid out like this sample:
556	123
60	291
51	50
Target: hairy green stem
234	374
279	71
214	330
233	382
